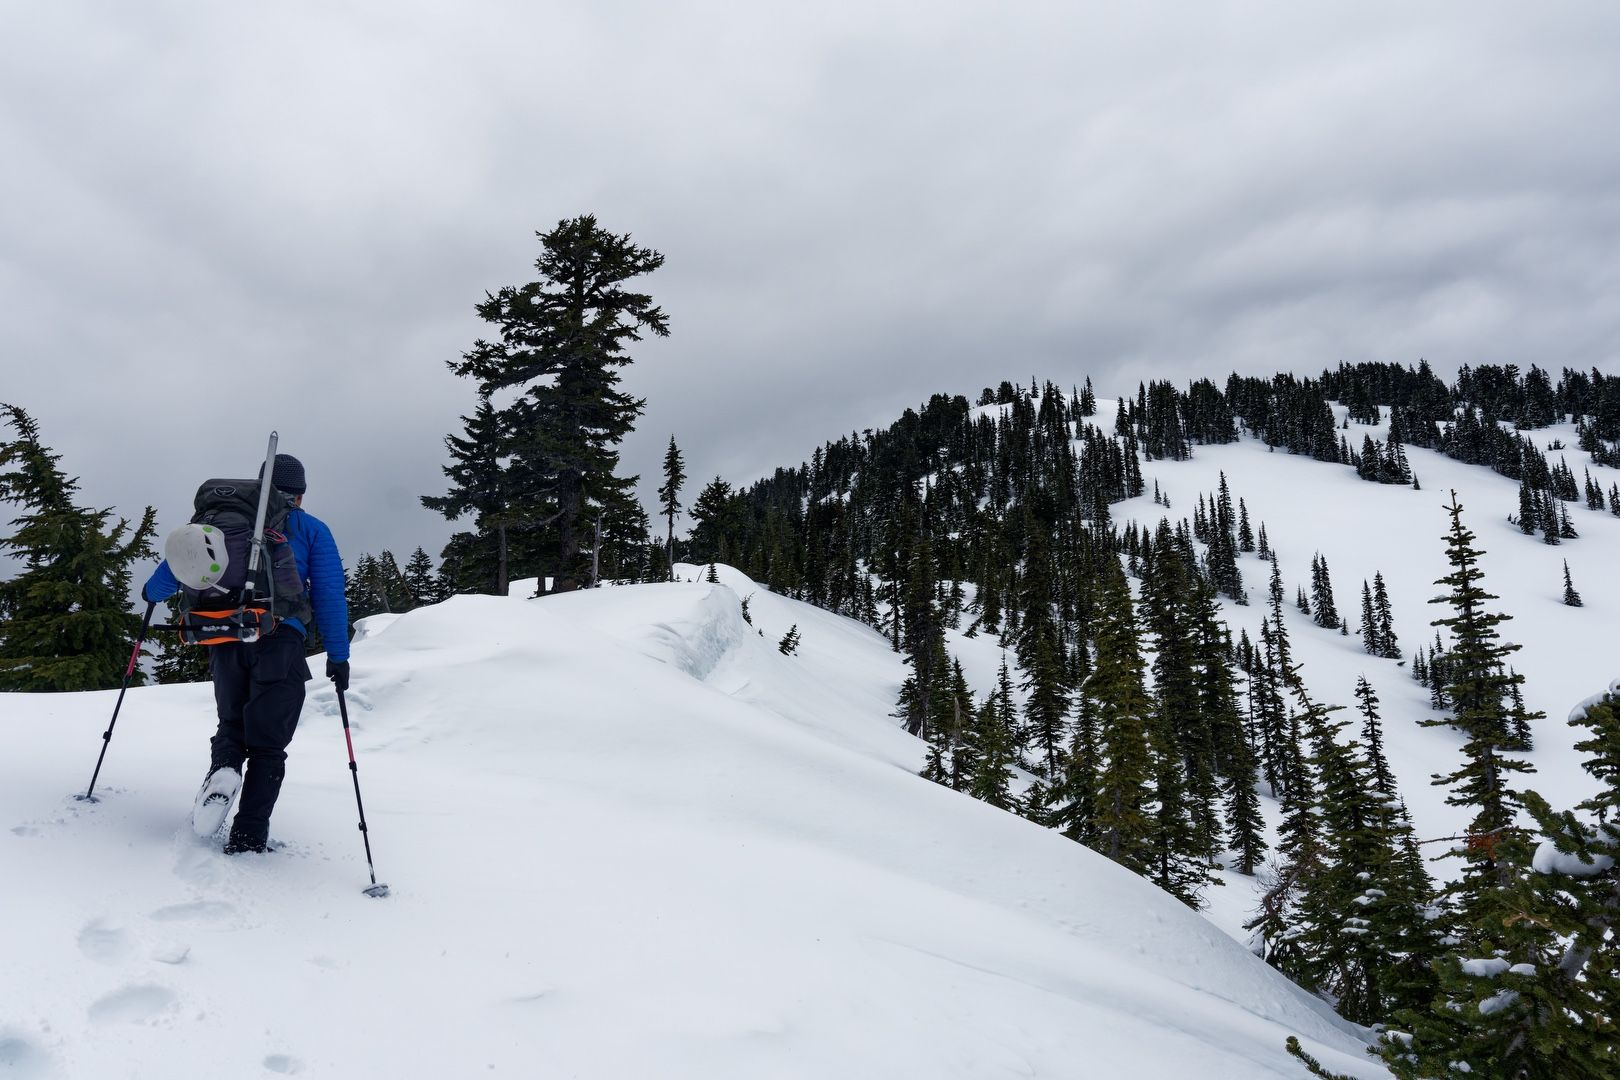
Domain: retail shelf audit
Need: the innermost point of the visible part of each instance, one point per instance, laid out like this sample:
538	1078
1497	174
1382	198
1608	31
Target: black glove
338	672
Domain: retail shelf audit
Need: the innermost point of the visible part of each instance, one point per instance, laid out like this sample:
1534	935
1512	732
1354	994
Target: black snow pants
259	689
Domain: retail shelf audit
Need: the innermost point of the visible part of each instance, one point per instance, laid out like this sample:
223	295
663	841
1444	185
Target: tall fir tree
420	579
479	486
1389	643
995	745
1485	1018
67	620
669	499
562	340
1571	597
1123	828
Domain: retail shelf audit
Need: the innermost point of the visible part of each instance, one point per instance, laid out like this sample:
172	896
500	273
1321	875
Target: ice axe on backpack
199	556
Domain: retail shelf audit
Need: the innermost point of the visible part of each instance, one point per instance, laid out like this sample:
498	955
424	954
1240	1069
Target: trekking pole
106	736
354	772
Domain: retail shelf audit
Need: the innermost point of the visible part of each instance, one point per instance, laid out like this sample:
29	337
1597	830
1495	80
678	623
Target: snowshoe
214	801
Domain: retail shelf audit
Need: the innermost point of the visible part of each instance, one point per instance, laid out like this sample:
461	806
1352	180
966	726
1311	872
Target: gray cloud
215	220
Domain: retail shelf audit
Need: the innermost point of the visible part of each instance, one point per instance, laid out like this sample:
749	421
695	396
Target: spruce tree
669	498
1074	807
1529	508
561	342
1571	597
1369	622
1576	890
1122	827
479	485
716	525
420	579
995	745
789	645
1389	643
1372	734
1347	890
67	619
1479	690
1487	1018
1325	611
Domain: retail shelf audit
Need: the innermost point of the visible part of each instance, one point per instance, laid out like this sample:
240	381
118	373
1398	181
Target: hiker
259	685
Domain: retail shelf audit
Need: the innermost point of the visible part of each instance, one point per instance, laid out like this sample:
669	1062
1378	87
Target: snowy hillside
626	838
1364	528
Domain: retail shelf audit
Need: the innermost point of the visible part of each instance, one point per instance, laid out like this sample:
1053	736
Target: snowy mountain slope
1362	529
626	838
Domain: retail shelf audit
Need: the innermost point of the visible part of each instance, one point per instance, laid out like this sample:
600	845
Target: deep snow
626	838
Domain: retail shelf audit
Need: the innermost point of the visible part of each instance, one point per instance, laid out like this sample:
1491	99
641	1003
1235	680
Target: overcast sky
216	219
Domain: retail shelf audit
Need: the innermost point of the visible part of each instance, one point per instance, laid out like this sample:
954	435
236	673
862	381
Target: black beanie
288	474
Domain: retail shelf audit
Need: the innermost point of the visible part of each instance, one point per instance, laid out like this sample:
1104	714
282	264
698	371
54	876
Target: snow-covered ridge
627	838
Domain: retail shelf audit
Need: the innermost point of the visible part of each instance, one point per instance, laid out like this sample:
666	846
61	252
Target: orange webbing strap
225	627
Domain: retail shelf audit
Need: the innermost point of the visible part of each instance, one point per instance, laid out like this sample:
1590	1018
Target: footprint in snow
105	942
283	1063
133	1004
21	1057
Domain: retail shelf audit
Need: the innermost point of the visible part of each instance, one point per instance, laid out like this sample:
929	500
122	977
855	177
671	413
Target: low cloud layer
215	220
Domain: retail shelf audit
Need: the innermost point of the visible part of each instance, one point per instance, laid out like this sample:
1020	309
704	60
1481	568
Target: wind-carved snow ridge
703	637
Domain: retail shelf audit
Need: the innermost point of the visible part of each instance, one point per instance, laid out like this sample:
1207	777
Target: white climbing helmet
197	555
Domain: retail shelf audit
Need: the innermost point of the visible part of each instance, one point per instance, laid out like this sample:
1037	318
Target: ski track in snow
627	838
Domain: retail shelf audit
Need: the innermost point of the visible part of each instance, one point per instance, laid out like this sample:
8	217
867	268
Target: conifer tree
67	620
420	580
561	342
1479	690
669	499
995	744
1571	597
1487	1016
479	486
1122	827
1326	612
1074	808
1189	723
1350	919
1088	400
961	744
1388	642
1372	735
1245	533
1040	653
1369	622
1529	508
715	524
1576	889
789	645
